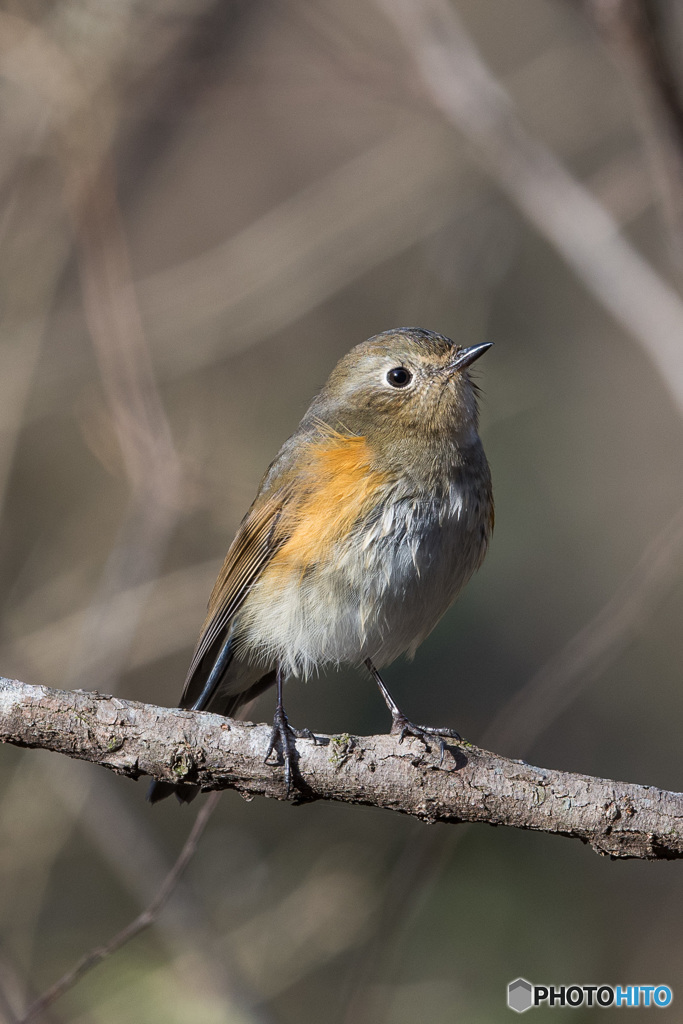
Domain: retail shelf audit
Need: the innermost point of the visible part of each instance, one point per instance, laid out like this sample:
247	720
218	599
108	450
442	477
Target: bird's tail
160	790
206	684
185	792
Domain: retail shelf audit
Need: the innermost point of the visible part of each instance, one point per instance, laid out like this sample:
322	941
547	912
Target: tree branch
617	819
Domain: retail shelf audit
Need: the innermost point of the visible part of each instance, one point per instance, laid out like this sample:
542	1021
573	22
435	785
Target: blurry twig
304	250
140	422
7	1014
33	251
142	921
152	467
109	624
632	30
420	861
588	239
562	210
73	67
123	838
167	624
116	329
344	225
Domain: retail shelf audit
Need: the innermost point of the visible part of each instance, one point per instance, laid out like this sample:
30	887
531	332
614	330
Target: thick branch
617	819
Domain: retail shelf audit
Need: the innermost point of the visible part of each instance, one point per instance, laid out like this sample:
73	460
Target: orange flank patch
339	486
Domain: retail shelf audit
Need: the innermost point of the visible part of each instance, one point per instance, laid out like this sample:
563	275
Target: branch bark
617	819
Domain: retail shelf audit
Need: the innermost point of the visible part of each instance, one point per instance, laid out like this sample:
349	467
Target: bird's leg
286	734
402	726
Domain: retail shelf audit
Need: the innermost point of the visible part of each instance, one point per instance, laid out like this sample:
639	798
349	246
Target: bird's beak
468	356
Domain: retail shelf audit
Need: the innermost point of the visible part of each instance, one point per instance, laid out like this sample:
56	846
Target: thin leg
286	734
401	725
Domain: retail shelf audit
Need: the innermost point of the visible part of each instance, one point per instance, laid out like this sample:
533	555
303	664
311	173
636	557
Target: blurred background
204	205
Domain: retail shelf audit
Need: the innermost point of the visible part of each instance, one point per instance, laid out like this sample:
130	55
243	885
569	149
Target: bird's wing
260	535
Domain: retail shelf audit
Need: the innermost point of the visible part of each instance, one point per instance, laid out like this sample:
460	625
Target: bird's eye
399	377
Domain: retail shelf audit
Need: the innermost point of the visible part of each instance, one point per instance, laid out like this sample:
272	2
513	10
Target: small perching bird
371	519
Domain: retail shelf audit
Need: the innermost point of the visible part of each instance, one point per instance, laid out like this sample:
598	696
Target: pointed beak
468	356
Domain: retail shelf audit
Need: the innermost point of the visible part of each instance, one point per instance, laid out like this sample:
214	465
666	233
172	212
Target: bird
365	528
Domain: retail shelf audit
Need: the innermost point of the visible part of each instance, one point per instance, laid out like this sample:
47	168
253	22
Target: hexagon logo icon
520	995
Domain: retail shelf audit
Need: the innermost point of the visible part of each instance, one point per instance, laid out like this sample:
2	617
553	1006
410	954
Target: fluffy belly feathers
372	583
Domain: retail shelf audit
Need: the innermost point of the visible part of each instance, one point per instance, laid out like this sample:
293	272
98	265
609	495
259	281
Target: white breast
378	594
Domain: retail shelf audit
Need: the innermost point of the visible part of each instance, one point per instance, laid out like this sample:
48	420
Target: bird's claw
402	727
286	734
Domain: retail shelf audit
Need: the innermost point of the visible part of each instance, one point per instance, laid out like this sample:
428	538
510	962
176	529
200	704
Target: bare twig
142	921
617	819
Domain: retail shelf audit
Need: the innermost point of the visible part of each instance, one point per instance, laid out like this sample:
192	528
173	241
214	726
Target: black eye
399	377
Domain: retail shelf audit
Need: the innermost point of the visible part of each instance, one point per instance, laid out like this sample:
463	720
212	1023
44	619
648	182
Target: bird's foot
402	727
285	733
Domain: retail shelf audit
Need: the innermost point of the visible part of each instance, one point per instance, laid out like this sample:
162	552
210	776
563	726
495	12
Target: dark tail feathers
185	792
160	790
